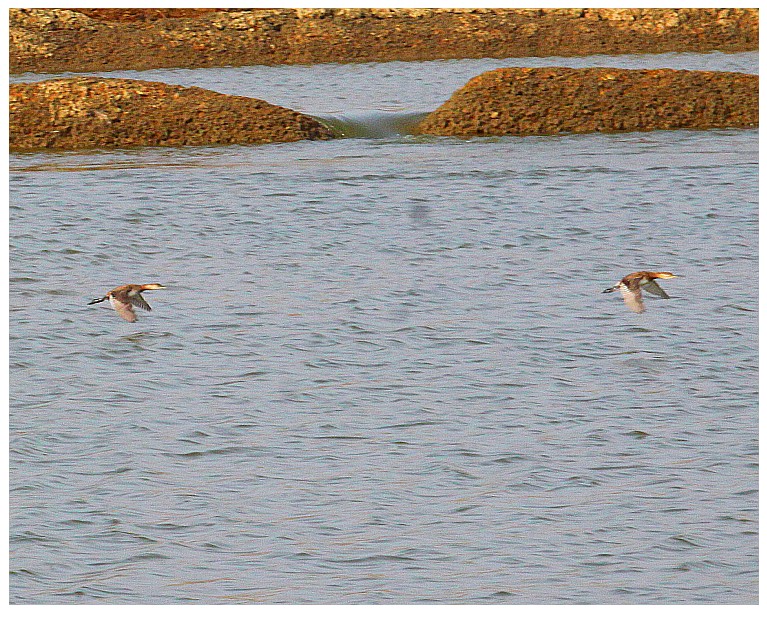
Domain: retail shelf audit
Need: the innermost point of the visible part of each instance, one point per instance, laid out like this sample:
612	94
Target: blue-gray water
384	370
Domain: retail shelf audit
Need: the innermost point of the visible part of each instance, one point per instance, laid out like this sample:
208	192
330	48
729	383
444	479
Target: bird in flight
631	287
124	298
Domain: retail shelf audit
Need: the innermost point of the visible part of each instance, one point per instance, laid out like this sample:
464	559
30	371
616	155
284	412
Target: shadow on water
139	339
373	124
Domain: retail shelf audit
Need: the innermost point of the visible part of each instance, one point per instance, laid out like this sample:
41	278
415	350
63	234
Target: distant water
384	370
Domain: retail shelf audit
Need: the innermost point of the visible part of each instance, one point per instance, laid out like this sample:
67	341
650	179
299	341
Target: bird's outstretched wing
633	299
138	300
653	288
124	310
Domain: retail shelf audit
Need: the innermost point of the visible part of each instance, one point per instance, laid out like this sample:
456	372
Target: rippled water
384	370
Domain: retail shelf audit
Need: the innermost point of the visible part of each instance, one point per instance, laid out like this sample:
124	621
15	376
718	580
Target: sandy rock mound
541	101
95	113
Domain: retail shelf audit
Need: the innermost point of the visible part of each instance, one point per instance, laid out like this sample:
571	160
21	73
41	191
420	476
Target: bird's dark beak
96	301
609	290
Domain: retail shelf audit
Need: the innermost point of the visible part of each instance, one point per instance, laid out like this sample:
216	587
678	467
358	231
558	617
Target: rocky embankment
84	112
539	101
80	113
92	40
95	112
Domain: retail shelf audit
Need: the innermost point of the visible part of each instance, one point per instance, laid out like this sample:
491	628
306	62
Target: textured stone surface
93	112
540	101
143	15
57	40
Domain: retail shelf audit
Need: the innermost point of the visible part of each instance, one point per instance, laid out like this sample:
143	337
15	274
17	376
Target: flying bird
631	287
124	298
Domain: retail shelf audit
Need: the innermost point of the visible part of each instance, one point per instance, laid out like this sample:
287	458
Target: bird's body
631	287
124	298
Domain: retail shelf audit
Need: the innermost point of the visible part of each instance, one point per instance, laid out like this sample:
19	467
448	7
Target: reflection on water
384	371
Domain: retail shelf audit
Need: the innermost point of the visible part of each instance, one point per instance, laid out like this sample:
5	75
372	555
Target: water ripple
384	370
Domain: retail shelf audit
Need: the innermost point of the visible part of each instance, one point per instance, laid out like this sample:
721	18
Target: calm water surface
384	370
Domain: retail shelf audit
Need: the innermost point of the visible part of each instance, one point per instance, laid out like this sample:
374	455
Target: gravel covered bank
540	101
98	113
59	40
